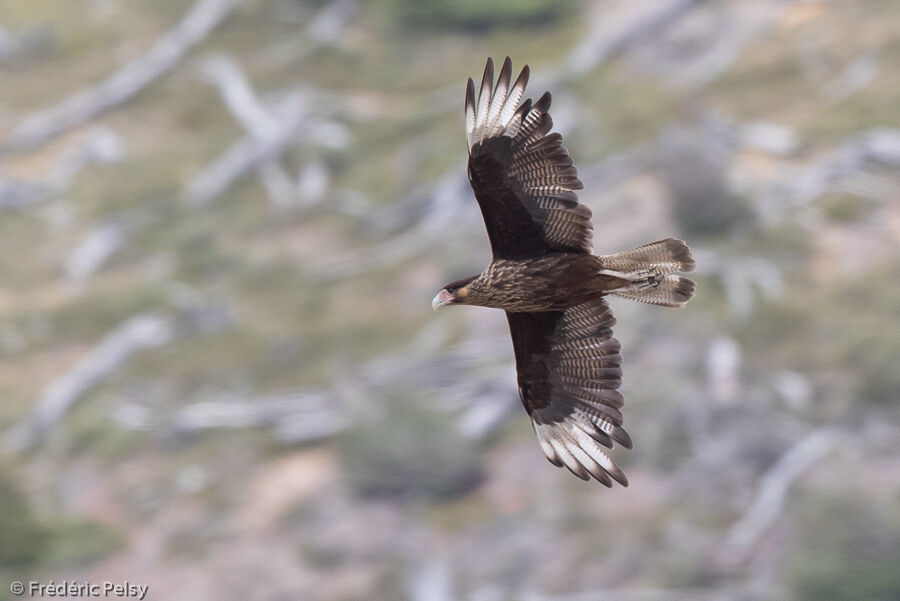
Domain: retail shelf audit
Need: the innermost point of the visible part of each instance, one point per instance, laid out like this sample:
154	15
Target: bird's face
450	295
454	293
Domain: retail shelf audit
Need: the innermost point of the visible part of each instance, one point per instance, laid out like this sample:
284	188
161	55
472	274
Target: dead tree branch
295	417
772	494
876	147
480	404
598	46
99	146
136	334
270	131
247	154
193	317
444	201
165	54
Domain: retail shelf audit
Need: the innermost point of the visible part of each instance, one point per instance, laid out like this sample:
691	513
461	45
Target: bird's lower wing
569	372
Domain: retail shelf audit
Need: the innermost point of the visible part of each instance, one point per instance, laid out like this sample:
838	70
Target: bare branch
598	46
270	132
168	50
772	494
481	401
239	97
194	317
100	145
295	417
876	147
138	333
851	80
429	580
247	154
446	197
89	256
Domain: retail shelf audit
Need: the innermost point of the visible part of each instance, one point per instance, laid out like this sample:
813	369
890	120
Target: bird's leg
640	279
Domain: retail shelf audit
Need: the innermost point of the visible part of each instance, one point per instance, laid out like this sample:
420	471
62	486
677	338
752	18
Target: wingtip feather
539	160
498	97
470	111
470	94
566	444
484	96
506	71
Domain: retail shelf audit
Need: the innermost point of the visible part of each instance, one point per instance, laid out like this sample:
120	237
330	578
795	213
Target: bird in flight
546	278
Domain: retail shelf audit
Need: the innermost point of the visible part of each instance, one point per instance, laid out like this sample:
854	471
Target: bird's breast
548	283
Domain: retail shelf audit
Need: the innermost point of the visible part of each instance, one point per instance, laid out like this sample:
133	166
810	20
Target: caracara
544	275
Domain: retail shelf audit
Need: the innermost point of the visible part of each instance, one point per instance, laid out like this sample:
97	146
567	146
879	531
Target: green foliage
845	207
843	324
673	447
694	168
847	554
702	203
873	357
625	110
706	210
77	542
871	347
411	451
478	14
879	380
91	316
22	538
26	542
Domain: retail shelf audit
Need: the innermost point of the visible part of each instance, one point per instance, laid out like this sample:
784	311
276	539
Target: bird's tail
648	273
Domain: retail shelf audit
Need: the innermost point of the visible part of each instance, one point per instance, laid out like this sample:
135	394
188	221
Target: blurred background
221	227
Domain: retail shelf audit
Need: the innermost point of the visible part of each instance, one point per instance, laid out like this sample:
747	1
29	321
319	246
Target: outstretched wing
569	371
522	176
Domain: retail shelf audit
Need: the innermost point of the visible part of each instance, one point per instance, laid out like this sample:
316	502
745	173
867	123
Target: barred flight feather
667	255
579	371
542	173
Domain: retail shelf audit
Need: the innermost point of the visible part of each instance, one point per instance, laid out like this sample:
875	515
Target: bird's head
454	293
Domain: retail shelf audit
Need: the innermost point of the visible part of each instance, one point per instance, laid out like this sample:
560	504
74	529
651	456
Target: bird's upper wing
569	371
522	176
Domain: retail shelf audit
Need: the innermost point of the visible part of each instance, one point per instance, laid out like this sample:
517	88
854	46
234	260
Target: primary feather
520	174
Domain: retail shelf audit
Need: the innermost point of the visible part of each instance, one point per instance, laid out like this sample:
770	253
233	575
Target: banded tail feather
649	271
669	291
667	256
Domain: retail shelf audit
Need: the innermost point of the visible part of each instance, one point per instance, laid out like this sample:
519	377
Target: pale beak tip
443	298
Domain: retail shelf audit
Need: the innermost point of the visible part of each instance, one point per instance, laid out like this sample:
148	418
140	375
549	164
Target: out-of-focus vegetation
221	375
472	15
409	451
29	542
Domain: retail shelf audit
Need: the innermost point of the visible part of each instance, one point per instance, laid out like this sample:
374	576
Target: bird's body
547	283
544	275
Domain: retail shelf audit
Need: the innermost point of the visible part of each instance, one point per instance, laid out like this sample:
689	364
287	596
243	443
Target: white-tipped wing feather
522	175
569	370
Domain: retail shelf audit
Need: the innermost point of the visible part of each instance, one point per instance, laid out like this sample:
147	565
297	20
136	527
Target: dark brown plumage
546	279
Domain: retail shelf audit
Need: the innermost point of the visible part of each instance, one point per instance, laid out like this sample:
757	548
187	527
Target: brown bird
544	275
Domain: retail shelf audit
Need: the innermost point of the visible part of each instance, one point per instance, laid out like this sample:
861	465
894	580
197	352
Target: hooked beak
443	298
